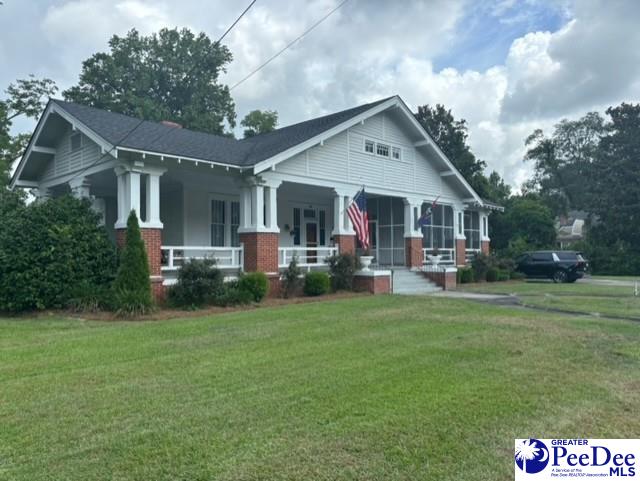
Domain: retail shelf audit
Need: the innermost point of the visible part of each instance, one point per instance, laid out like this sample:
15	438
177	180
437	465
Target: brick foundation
413	252
461	250
260	251
152	239
346	243
445	278
484	247
374	284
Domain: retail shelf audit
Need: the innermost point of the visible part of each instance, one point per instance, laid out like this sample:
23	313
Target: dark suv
560	266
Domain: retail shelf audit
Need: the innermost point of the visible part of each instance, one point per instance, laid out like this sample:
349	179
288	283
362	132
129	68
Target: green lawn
368	388
595	299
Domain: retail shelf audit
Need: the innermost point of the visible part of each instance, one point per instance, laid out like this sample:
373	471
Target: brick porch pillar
343	234
346	243
461	249
484	247
412	234
129	177
461	252
259	232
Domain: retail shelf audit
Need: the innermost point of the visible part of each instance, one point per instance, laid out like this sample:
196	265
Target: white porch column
153	200
129	194
257	207
411	215
341	221
245	208
271	202
80	187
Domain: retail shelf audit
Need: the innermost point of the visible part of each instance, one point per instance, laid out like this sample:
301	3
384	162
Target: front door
311	231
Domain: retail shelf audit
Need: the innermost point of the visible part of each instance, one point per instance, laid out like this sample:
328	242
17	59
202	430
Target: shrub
255	284
291	280
316	283
199	283
53	254
480	265
515	275
503	276
132	289
232	295
466	275
492	274
342	268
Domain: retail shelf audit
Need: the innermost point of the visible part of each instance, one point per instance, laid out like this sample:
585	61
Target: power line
237	20
289	45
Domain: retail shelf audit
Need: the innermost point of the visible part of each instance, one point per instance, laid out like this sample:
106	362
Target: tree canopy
26	97
259	122
451	136
172	75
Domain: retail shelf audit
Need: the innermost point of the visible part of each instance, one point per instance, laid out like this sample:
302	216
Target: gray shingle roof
163	139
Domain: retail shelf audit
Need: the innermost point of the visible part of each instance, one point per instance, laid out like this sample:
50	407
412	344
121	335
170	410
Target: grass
603	300
369	388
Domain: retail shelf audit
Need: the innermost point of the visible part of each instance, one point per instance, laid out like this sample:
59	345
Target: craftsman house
254	204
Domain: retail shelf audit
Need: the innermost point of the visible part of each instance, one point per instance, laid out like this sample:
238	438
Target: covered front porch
261	223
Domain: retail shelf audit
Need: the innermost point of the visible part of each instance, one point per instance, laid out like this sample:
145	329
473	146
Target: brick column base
346	243
445	278
260	251
374	282
484	247
461	252
152	239
413	252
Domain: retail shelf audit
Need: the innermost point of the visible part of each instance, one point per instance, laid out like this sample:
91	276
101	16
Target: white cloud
367	50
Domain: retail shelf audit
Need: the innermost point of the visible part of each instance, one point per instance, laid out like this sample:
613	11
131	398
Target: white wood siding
343	158
65	161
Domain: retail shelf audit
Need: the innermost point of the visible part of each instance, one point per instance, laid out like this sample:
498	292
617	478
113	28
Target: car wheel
559	277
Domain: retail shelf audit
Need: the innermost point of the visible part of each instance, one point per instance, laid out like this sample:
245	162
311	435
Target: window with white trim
369	146
225	221
485	228
382	149
396	153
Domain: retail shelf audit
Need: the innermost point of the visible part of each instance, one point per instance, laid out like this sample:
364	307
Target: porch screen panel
235	223
217	223
322	227
472	229
439	234
296	226
390	231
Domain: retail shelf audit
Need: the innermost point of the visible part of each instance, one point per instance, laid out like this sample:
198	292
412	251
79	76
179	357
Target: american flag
425	219
357	212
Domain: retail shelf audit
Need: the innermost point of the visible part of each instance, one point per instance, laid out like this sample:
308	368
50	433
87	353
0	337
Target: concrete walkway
608	282
481	297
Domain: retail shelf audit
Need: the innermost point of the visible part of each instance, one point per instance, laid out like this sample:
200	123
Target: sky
506	66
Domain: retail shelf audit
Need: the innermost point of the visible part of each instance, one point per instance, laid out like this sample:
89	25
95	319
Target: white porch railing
470	254
448	256
307	256
226	257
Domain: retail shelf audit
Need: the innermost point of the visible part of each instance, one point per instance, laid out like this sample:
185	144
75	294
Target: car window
522	258
567	256
541	256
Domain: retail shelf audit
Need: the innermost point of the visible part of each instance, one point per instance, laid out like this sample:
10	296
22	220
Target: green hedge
53	254
316	283
342	268
255	284
466	275
199	283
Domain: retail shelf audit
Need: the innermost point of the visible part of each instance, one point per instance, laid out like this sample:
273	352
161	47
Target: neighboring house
570	229
257	202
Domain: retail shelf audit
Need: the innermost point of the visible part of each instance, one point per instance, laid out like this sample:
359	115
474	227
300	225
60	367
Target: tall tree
562	161
259	122
451	136
614	192
172	75
26	97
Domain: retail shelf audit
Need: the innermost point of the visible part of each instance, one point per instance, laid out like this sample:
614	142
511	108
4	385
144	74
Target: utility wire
251	74
130	132
237	20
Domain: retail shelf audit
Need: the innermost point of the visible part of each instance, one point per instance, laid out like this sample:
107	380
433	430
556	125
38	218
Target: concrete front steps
412	283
